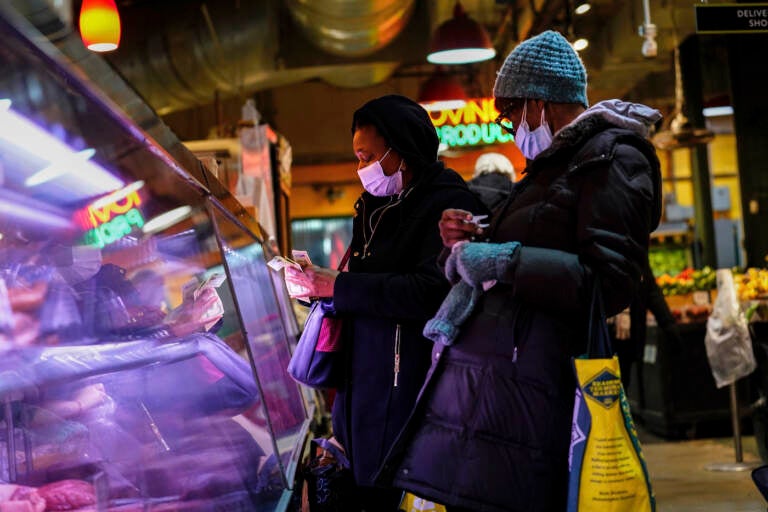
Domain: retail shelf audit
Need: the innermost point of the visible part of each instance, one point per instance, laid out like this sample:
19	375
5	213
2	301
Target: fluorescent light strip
59	168
718	111
166	220
26	135
20	211
117	195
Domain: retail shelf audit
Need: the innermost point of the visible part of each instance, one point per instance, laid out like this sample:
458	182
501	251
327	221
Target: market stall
673	392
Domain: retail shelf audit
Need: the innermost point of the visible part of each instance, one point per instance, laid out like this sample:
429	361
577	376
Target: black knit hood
404	124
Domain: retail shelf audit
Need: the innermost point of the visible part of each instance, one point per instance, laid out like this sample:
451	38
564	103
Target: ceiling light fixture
460	40
76	172
167	219
582	7
100	25
725	110
580	44
442	92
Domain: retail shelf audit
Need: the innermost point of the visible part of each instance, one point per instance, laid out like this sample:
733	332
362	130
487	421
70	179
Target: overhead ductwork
351	28
198	51
233	48
206	49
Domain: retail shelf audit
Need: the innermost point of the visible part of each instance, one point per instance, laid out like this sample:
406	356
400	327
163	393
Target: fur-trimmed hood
595	135
635	117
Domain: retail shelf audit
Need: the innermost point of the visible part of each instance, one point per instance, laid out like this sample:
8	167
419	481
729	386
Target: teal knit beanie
544	67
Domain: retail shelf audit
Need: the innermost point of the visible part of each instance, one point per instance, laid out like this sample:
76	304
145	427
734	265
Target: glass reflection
266	336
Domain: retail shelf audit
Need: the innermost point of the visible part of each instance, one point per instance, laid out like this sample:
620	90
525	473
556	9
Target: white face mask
531	143
379	184
86	262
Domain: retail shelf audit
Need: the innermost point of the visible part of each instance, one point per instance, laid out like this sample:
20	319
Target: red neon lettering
476	111
99	216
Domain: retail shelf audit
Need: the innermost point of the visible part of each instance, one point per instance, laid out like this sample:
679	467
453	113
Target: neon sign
112	217
471	125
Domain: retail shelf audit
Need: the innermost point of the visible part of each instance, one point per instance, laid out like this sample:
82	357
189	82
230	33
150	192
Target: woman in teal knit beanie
492	426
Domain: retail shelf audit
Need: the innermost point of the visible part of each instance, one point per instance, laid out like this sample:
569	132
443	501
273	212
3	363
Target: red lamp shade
460	40
100	25
442	92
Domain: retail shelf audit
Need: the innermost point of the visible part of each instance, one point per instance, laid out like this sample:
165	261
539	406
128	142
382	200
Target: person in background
492	428
393	284
493	179
631	328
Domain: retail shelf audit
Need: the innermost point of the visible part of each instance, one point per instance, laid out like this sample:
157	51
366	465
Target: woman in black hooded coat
393	285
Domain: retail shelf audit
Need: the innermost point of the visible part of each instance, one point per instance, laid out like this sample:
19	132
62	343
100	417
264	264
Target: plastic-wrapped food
206	373
6	313
728	344
67	495
27	297
20	498
59	311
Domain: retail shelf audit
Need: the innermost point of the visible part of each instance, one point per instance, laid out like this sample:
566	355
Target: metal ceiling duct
231	48
351	28
218	47
208	49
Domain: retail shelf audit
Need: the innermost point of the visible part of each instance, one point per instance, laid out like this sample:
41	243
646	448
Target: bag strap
345	259
598	339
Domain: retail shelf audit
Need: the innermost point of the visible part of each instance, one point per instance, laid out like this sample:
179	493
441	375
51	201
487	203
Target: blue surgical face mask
379	184
531	143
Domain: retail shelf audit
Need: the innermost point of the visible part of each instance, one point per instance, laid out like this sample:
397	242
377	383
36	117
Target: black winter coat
492	426
392	288
492	188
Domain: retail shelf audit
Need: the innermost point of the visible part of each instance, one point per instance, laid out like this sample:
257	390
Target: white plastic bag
729	347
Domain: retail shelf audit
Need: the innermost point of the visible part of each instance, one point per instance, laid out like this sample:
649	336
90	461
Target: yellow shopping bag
607	468
608	472
412	503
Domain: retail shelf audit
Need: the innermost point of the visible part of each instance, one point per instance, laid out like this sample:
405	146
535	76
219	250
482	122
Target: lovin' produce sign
112	217
471	125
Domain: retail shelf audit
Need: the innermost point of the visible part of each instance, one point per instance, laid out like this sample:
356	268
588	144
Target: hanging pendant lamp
100	25
442	91
460	40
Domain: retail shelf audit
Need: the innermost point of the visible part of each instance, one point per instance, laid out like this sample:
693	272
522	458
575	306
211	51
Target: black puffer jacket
392	288
491	429
493	188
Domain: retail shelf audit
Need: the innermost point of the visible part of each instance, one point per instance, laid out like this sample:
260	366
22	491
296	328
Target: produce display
687	281
751	284
670	260
751	289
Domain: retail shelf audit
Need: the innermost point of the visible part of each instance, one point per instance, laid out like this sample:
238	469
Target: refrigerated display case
143	345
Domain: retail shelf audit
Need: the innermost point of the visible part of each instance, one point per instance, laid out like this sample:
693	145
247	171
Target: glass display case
143	341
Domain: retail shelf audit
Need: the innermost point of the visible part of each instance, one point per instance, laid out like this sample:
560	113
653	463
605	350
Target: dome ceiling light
442	91
460	40
582	7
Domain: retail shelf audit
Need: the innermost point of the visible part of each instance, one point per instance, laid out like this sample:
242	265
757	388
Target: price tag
649	354
701	297
301	257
